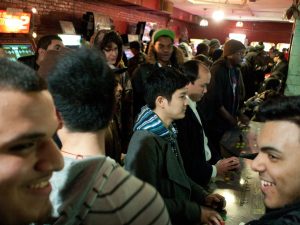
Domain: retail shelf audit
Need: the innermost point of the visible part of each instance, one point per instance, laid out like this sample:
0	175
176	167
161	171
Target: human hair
17	76
135	45
105	38
202	48
204	59
163	81
280	55
82	86
284	108
191	69
45	41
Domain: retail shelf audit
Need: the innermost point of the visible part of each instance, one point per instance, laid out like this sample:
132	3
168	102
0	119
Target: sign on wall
14	22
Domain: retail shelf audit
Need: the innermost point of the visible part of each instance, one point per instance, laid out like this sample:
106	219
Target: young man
192	141
93	189
45	43
162	52
28	156
278	161
220	106
153	153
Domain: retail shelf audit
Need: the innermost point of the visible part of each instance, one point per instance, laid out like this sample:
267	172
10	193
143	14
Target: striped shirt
98	191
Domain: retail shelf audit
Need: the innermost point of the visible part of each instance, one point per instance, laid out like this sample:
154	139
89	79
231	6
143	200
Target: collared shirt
193	106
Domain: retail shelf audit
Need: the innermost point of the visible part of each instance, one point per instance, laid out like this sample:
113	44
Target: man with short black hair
162	52
94	188
153	154
28	155
138	57
47	42
192	141
277	162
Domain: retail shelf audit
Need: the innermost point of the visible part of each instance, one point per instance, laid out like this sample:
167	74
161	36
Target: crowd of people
90	138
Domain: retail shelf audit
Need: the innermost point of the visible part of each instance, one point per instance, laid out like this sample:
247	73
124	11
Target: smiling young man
153	154
278	161
28	155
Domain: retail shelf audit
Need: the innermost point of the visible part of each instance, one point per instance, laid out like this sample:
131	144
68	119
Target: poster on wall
102	22
67	27
148	27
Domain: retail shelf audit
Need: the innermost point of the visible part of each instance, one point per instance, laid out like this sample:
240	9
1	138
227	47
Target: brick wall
51	11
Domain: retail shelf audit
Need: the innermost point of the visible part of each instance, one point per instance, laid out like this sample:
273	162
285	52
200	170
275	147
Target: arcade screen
14	22
128	52
15	51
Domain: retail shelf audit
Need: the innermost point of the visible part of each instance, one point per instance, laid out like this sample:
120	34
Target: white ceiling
245	10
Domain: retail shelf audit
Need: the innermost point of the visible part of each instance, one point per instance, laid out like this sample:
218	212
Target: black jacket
191	144
289	215
220	93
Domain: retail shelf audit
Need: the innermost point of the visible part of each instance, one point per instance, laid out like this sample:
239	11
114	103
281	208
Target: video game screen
15	51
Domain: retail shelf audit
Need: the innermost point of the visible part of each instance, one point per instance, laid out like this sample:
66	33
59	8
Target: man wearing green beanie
220	106
162	53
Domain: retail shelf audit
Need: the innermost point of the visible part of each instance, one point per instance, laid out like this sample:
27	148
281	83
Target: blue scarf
148	120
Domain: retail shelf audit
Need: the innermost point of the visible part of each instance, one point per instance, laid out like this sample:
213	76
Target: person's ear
160	102
60	120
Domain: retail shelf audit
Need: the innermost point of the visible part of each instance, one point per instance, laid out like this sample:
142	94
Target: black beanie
232	46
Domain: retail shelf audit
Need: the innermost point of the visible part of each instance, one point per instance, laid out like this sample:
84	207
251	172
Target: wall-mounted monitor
14	22
70	40
238	37
267	45
281	46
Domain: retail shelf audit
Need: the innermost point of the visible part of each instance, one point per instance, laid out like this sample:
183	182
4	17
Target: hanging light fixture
239	24
203	21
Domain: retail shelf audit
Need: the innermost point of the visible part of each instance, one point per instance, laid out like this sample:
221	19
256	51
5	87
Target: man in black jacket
192	141
277	162
220	106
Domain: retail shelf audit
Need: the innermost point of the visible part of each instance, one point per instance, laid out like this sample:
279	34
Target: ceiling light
218	15
34	10
239	24
203	23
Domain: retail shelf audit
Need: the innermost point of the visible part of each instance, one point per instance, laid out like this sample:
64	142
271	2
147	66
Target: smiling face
28	155
278	163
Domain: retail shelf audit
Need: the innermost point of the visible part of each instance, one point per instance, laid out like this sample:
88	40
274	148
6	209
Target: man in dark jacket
162	52
192	141
277	162
220	106
153	153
